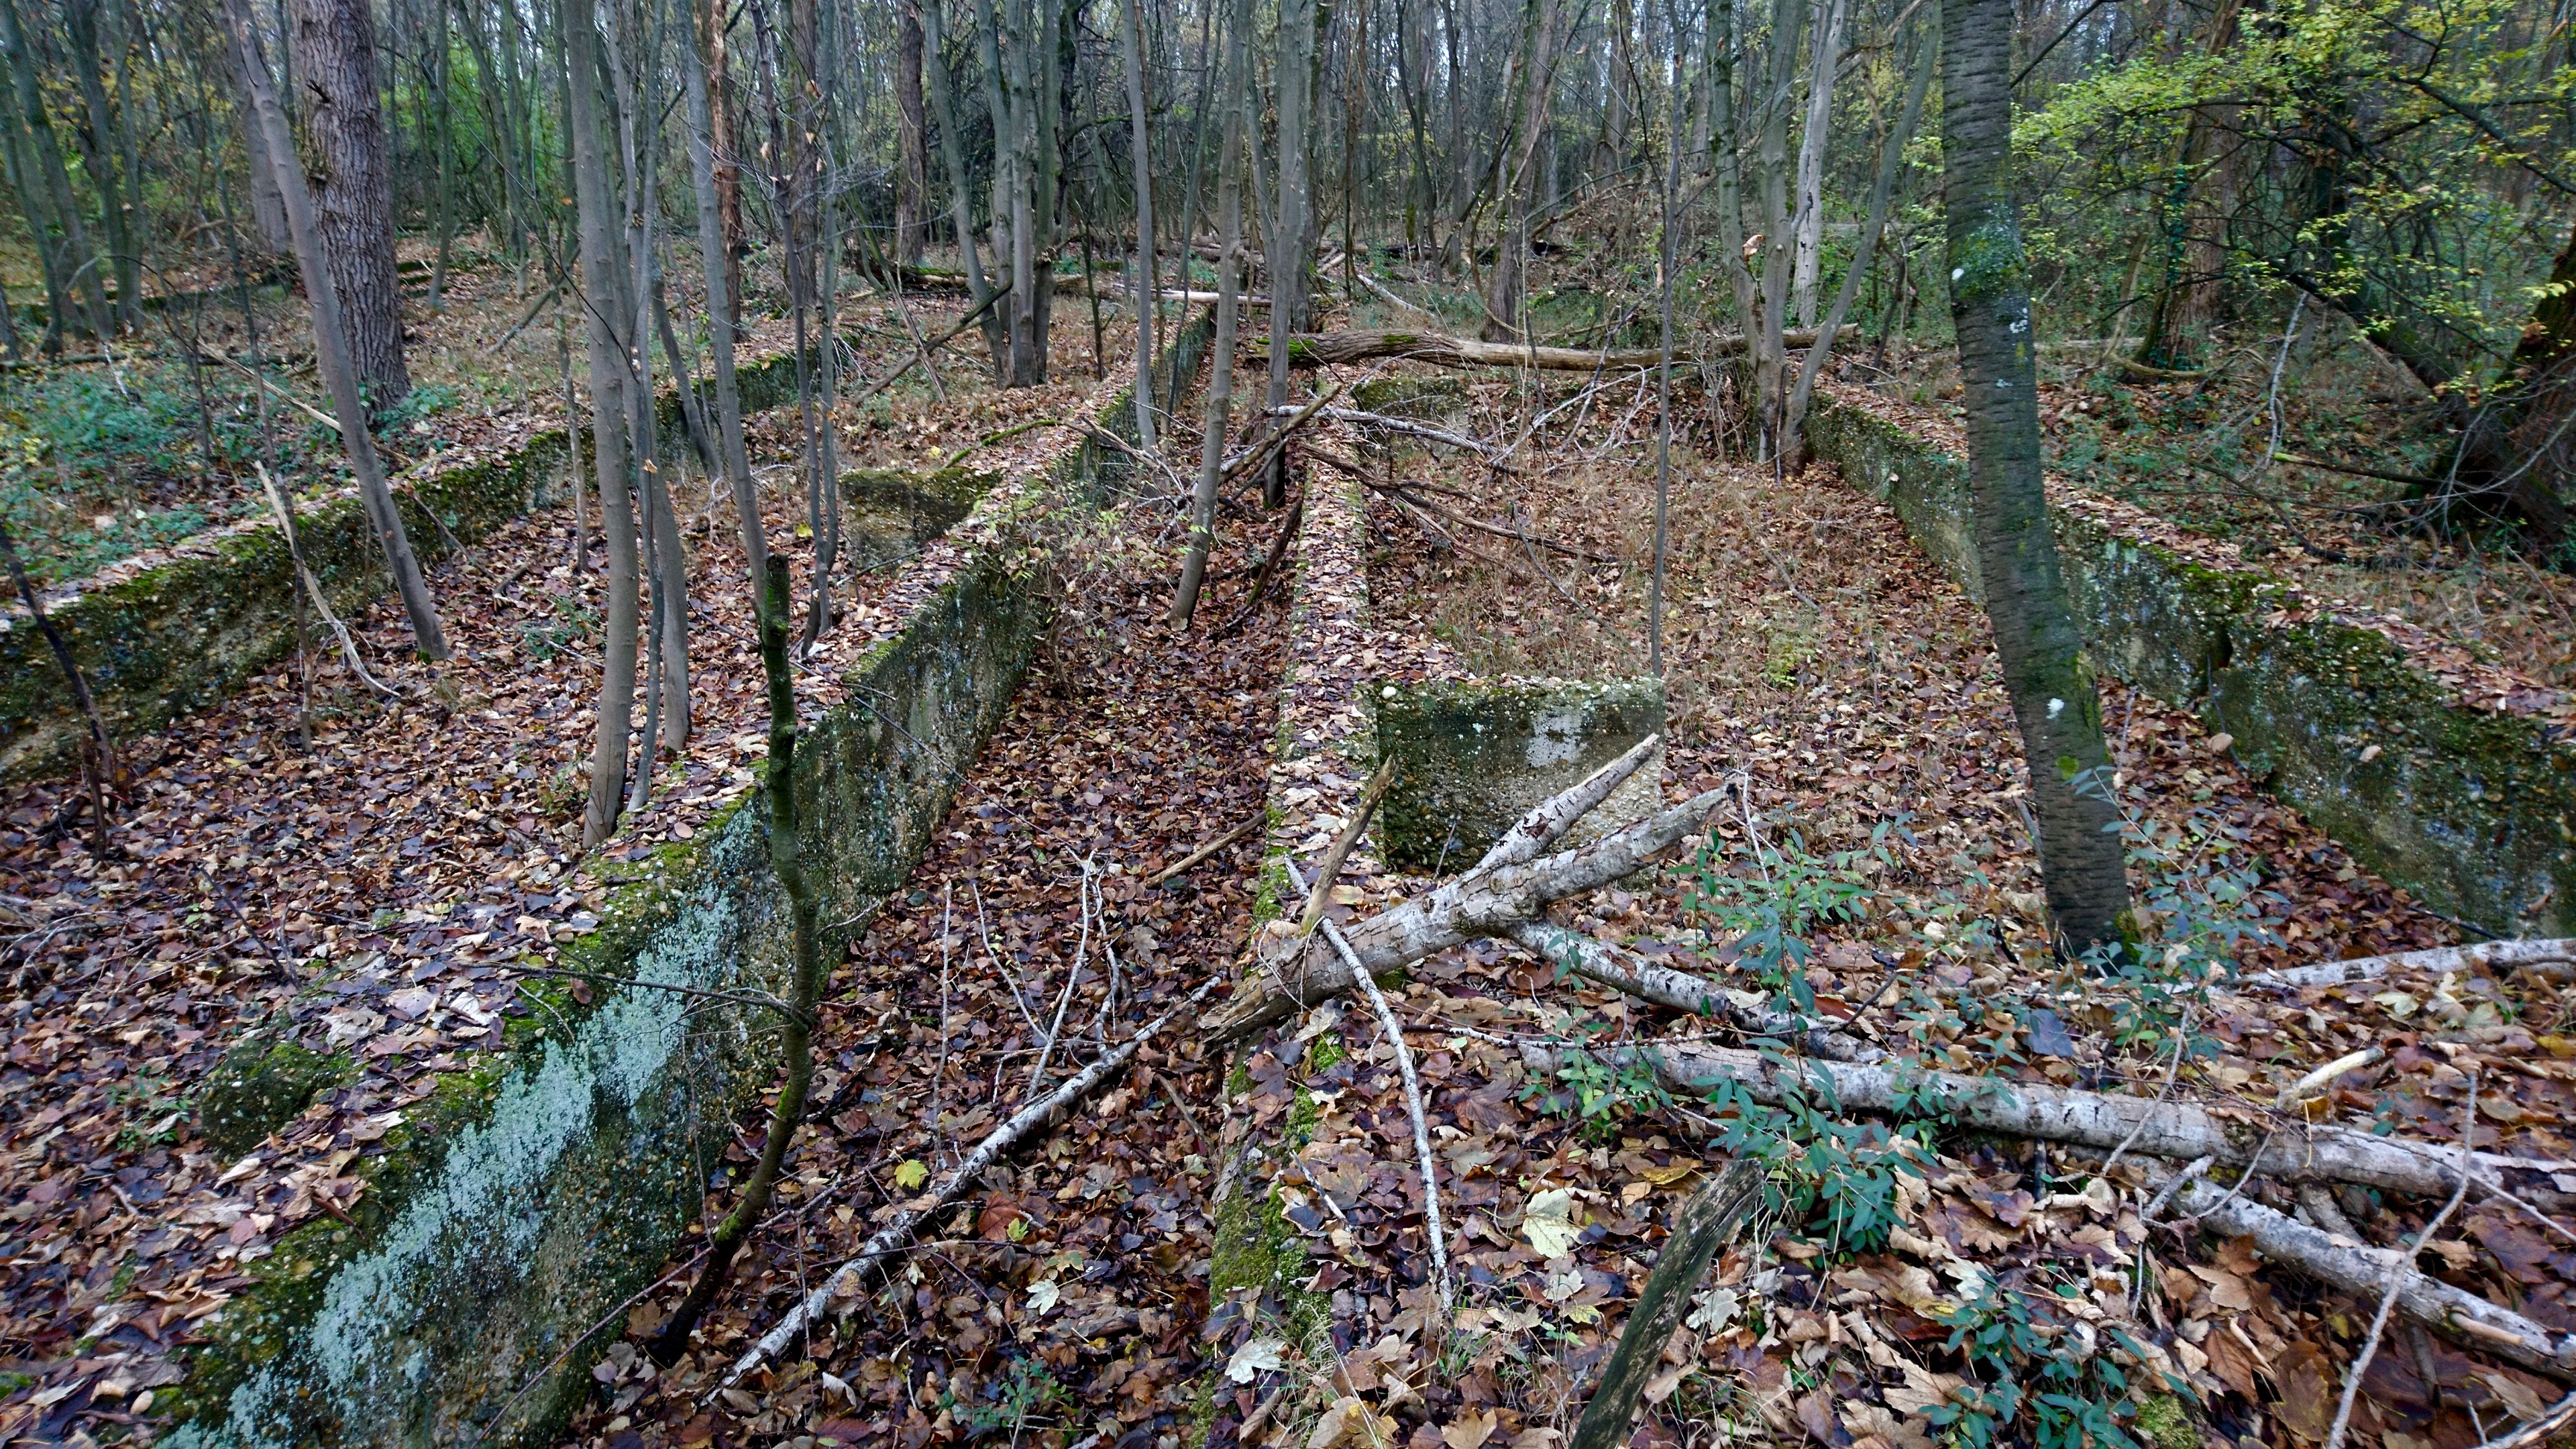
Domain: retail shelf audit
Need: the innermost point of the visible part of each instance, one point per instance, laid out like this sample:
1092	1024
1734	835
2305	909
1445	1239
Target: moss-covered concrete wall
165	640
514	1216
2470	808
1473	756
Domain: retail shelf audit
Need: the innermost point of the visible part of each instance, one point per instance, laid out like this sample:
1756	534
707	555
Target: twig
1394	1031
2400	1265
1329	869
1297	418
847	1278
1064	998
1493	456
1269	567
1171	873
2316	1081
313	586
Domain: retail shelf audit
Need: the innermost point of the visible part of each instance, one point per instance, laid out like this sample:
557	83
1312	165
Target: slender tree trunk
1668	258
2053	695
445	120
1219	409
722	312
1148	299
1518	175
952	159
609	415
353	196
1891	161
98	154
1292	74
330	347
30	191
44	165
1729	149
267	207
1788	20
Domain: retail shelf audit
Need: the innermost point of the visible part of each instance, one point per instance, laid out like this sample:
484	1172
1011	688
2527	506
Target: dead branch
1173	872
1487	901
1328	348
1405	492
1330	868
2362	1270
1493	456
2297	1152
875	1254
2555	959
1278	437
1269	570
1624	970
1700	1228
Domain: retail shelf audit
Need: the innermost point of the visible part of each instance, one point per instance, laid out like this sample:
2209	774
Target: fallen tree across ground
1325	348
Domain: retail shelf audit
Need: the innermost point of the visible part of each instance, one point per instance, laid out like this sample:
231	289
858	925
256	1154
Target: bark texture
351	177
2053	696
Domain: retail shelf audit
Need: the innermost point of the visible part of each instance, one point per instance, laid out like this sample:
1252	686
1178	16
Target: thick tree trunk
1826	53
912	205
2051	687
330	346
353	188
1219	406
2518	451
609	416
1516	174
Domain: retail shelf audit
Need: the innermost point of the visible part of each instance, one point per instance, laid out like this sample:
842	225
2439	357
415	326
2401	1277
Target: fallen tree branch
1492	455
1703	1225
1624	970
1405	492
1261	580
2555	959
2178	1130
847	1279
1394	1031
2362	1271
1173	872
1329	348
1487	901
1261	452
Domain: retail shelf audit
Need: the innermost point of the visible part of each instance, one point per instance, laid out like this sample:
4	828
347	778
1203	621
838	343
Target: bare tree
330	345
1148	301
1236	98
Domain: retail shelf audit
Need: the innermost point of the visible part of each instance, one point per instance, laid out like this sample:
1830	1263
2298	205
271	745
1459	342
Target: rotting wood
1702	1226
875	1254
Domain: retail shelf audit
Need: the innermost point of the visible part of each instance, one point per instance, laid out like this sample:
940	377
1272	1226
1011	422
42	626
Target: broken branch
2495	956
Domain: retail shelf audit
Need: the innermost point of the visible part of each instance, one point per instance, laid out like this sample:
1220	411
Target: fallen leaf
2308	1390
1548	1222
913	1173
1259	1355
1469	1431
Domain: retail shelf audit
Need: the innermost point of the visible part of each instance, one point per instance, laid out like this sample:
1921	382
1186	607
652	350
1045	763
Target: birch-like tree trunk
1292	72
330	344
1219	408
336	70
1517	175
1825	53
952	158
2053	696
99	155
912	205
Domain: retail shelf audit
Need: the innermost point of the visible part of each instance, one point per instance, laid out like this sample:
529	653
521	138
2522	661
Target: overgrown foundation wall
2446	784
519	1209
159	641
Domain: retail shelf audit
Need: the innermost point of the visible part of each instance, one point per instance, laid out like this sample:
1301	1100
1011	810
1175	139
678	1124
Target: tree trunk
609	416
1220	391
2518	452
43	171
1826	52
1148	304
2193	225
267	206
353	197
2051	686
952	158
1516	175
912	208
723	312
99	155
1293	71
330	347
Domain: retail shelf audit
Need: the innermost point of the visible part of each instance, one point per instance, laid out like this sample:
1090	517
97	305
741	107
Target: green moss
2163	1423
260	1086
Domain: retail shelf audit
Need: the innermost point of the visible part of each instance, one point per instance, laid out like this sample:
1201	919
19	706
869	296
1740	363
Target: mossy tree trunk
2053	696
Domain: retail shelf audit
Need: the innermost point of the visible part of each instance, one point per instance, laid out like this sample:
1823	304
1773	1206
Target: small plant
572	627
1027	1390
1770	897
1599	1093
2023	1361
1834	1178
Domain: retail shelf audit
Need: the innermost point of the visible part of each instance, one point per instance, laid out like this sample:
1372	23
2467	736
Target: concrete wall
1472	756
159	641
2450	791
524	1203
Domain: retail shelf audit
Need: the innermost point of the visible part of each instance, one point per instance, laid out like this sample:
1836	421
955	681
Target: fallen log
2364	1271
1326	348
1512	884
2290	1152
877	1253
2553	959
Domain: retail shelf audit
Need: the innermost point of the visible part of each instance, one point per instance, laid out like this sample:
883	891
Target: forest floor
413	852
1820	670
